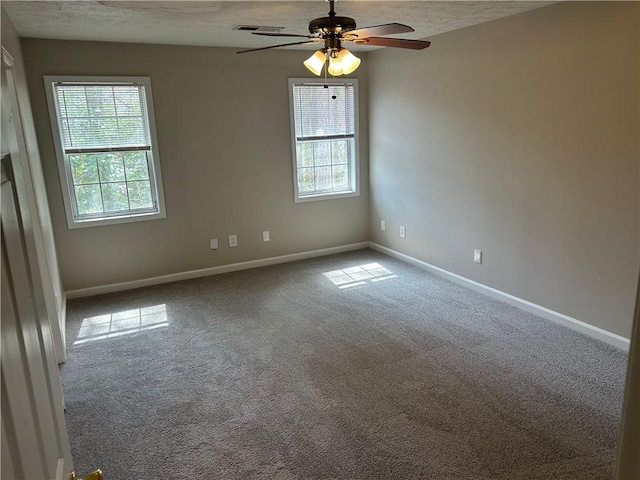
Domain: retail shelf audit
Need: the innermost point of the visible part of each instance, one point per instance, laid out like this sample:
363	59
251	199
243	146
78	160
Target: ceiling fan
332	31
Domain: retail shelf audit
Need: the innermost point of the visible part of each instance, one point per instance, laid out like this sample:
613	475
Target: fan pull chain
326	67
333	77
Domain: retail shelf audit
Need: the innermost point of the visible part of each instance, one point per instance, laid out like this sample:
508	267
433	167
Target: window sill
326	196
99	222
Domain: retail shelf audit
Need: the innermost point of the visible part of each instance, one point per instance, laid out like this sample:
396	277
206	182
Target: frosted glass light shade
315	62
349	61
335	67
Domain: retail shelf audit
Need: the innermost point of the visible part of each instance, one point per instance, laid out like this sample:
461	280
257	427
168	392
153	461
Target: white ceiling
211	23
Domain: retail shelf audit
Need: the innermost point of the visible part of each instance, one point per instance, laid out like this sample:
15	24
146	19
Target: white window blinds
323	112
102	117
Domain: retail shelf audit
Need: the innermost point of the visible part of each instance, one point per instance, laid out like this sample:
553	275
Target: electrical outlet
265	236
383	225
233	240
477	256
213	244
403	231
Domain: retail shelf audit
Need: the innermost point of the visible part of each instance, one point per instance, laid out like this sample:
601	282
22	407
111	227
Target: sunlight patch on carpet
116	324
360	275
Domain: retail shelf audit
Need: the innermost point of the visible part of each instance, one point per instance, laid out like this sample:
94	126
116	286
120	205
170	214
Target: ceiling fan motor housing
328	27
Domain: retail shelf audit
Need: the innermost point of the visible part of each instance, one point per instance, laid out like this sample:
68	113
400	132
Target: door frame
35	442
41	251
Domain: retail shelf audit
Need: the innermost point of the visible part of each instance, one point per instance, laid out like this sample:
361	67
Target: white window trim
49	81
356	143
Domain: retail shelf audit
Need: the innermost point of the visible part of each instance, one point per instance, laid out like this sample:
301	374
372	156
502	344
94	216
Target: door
35	444
30	189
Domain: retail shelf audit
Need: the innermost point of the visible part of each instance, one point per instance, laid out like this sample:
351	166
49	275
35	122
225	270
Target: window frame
354	179
64	172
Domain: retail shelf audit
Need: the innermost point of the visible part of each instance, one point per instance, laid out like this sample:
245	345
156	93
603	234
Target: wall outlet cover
233	240
477	256
383	225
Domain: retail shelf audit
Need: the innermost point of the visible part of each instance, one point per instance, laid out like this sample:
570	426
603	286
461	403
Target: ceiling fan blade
393	42
276	46
267	34
386	29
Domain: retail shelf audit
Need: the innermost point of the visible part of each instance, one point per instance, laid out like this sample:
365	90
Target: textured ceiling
211	23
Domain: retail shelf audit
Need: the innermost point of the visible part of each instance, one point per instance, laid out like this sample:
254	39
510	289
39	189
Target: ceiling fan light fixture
316	61
349	61
335	66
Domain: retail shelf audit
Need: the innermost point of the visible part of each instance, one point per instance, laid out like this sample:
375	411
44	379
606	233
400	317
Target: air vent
258	28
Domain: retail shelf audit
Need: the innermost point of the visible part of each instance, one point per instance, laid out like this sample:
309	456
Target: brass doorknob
95	475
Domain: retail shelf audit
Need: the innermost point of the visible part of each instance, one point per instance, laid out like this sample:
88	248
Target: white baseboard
562	319
205	272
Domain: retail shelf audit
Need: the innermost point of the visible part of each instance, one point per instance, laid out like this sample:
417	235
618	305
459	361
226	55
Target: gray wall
519	137
225	151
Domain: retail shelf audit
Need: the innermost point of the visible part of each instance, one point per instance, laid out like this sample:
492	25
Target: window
325	142
104	133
